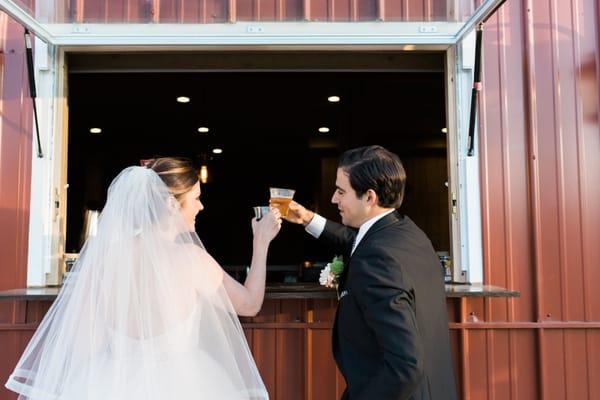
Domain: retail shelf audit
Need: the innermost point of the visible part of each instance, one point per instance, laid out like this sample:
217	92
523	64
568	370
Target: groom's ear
371	197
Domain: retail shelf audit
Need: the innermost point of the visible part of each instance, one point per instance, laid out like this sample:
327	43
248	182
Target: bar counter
283	291
290	338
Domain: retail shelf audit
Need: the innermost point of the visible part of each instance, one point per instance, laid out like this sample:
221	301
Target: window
65	29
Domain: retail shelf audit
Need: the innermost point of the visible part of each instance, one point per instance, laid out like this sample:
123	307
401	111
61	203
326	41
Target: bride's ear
172	203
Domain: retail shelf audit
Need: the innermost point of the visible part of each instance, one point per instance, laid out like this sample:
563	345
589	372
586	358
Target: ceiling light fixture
203	129
217	151
444	130
333	99
183	99
323	129
95	130
204	174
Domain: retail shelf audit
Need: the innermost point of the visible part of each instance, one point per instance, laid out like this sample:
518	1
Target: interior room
250	125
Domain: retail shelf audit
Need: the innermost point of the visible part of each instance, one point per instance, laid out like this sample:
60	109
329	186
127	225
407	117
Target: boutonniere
330	275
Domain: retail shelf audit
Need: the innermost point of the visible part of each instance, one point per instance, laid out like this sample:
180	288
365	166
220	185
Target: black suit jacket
390	337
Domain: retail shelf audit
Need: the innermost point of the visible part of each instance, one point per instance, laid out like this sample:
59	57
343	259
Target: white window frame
47	222
248	33
464	185
49	174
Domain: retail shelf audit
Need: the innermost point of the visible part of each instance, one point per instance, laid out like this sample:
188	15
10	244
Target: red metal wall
212	11
540	165
15	184
15	155
540	175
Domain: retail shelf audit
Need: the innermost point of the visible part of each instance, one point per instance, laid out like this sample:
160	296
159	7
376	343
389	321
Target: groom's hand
297	214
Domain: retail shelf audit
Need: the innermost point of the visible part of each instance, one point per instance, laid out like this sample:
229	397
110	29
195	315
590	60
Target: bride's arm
247	299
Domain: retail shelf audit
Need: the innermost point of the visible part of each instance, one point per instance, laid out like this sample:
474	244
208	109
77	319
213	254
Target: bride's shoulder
190	250
198	263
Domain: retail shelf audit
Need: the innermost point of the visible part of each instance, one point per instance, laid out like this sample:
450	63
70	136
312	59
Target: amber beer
282	204
281	199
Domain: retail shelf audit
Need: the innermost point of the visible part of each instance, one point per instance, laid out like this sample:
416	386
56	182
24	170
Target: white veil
144	315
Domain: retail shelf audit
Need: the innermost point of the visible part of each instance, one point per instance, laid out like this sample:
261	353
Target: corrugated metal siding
540	171
15	183
15	155
540	148
215	11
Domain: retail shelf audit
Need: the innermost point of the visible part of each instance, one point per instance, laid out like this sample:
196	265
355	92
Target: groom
390	337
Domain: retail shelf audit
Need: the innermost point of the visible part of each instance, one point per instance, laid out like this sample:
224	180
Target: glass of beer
261	211
281	199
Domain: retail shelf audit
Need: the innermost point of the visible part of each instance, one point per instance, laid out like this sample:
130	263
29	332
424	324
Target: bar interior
251	127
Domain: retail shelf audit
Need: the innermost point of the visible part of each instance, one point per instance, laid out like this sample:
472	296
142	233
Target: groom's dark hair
374	167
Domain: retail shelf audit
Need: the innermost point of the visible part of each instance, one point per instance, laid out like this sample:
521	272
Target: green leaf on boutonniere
337	265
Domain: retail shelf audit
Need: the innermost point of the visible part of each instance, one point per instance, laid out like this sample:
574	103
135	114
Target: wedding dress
144	315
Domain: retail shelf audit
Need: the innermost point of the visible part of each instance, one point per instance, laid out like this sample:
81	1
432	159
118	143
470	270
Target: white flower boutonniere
330	275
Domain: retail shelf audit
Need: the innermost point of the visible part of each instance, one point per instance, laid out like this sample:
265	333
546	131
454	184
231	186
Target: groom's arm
388	305
337	236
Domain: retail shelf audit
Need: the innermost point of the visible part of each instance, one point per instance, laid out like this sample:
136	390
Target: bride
147	313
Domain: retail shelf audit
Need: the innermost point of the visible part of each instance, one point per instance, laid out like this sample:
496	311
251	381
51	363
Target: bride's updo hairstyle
176	172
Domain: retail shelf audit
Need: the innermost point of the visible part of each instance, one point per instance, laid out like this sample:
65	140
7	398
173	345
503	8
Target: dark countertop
478	290
285	291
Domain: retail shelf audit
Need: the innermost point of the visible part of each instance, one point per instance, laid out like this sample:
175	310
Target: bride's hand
268	227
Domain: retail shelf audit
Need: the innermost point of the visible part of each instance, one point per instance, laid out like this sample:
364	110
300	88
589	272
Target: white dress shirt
317	226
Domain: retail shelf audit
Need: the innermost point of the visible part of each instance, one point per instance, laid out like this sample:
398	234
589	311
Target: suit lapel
383	223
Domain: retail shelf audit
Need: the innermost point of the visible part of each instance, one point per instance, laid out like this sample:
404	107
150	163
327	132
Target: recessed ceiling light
95	130
333	99
183	99
217	151
444	130
323	129
203	129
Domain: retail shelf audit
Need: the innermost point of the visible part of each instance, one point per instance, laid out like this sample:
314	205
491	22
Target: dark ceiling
274	109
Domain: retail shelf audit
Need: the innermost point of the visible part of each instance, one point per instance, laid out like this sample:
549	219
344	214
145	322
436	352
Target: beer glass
261	211
281	199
